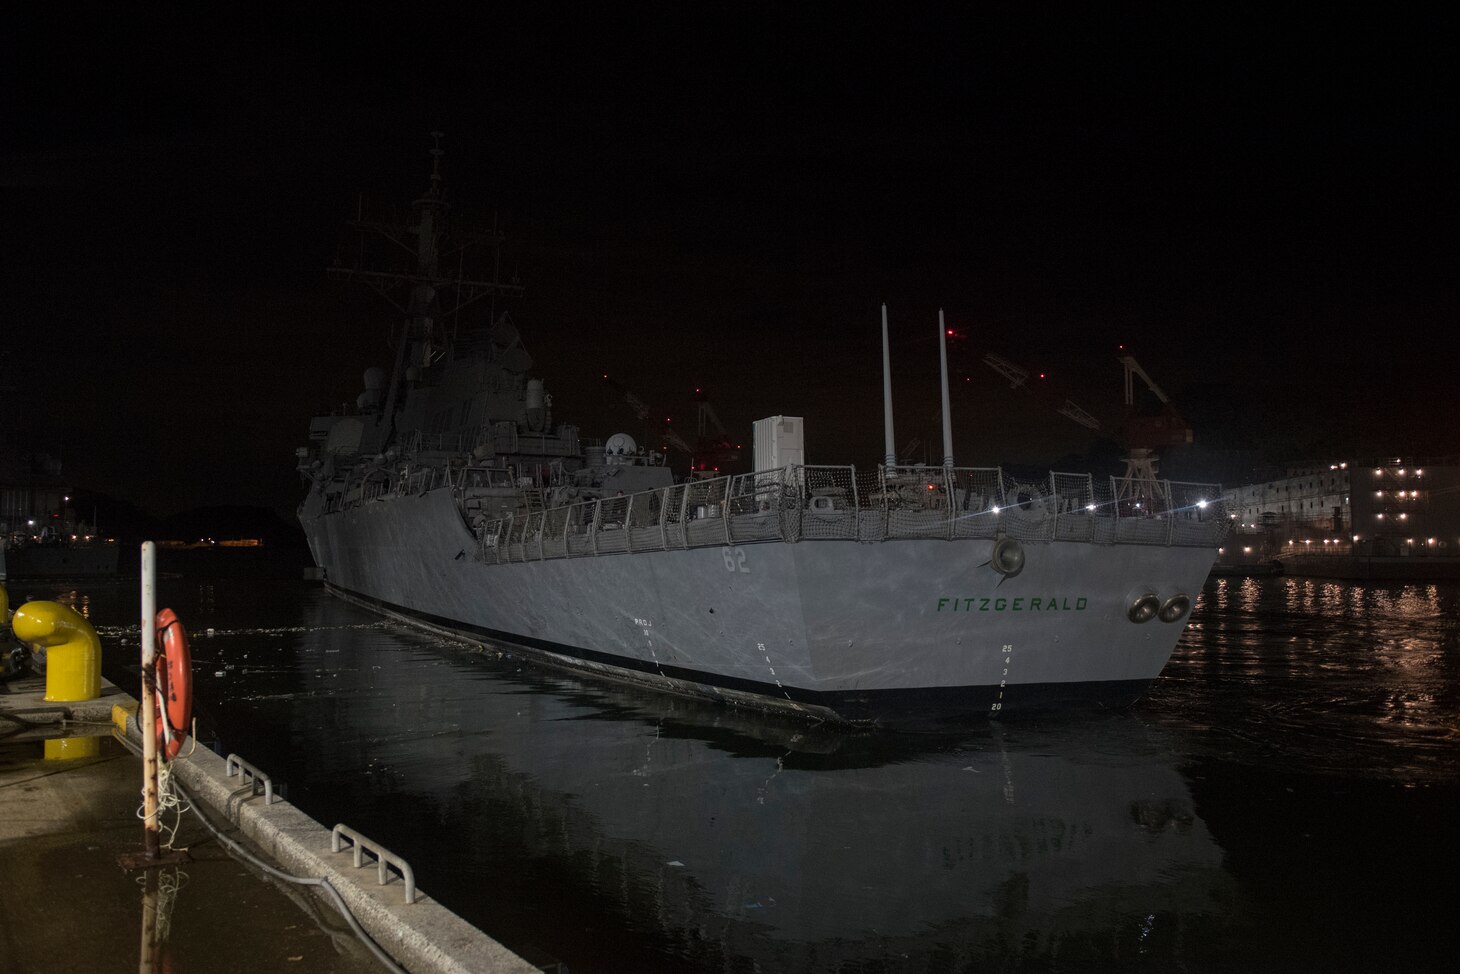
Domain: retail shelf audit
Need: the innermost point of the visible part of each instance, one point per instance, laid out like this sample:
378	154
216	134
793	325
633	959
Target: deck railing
815	503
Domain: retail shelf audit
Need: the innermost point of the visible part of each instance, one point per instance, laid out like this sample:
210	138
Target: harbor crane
1141	434
1017	376
709	456
712	453
641	409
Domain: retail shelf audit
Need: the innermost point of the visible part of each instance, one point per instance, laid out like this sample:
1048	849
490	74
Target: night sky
1263	212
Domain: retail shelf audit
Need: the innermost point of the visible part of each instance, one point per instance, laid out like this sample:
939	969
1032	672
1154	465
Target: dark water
1285	798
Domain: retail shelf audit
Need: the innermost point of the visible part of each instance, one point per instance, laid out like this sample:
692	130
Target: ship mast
416	292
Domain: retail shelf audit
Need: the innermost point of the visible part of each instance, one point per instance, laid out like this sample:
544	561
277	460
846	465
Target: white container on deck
779	440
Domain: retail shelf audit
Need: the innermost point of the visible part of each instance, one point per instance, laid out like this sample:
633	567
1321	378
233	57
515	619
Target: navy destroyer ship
448	498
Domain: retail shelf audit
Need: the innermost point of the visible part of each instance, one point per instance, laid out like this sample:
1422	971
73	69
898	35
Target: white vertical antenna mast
947	419
890	459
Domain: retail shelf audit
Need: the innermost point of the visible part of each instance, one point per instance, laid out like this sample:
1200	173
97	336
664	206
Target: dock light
1356	537
1380	515
1201	504
1343	466
1246	550
1419	473
1431	541
1401	471
1307	540
994	509
1089	507
1404	517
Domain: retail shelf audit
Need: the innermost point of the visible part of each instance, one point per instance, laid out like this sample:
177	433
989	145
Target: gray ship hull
866	632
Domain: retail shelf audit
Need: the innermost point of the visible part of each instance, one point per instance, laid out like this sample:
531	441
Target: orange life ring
174	684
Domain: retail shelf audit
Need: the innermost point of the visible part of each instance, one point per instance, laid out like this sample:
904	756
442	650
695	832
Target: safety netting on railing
826	503
978	497
1075	510
756	501
703	520
610	524
1196	511
1028	511
672	515
642	521
1106	510
579	537
555	531
919	503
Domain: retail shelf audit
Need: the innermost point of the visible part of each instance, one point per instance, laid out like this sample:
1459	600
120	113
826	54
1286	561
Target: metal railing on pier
816	503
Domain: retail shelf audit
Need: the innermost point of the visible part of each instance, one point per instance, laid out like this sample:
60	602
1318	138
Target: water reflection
563	815
1342	676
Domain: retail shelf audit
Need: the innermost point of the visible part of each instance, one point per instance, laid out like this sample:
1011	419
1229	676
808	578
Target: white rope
169	801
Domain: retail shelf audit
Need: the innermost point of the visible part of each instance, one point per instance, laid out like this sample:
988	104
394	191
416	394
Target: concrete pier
65	825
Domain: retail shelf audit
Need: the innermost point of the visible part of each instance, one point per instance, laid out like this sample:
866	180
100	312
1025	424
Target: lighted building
1357	519
1407	508
1315	498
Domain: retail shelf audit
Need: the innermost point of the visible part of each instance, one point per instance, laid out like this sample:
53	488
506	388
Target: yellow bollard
73	651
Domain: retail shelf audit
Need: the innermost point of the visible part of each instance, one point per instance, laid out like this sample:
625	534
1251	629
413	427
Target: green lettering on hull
1063	603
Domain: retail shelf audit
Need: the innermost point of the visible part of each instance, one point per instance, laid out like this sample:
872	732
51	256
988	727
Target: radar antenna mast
416	292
